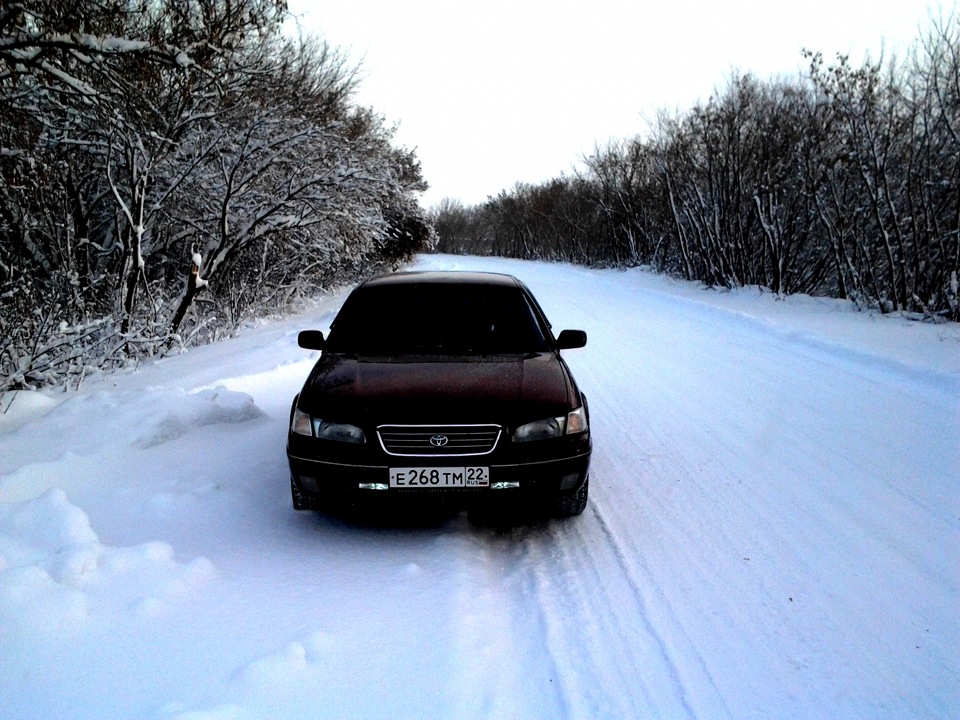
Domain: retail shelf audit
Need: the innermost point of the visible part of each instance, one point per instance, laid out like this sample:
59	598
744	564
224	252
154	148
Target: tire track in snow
513	614
502	667
636	650
643	607
614	672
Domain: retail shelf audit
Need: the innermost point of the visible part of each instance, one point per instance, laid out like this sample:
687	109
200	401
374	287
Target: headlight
341	432
572	423
539	430
303	424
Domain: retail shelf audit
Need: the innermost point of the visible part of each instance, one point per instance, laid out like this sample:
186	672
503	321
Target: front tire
299	501
574	503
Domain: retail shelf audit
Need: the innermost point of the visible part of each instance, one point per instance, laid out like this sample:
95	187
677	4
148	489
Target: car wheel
575	503
299	501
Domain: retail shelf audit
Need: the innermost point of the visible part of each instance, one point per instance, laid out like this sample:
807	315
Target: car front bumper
322	481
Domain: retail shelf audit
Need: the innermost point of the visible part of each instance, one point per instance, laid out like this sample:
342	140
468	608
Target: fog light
569	481
309	483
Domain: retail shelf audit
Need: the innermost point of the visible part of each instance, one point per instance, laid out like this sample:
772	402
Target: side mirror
310	340
571	339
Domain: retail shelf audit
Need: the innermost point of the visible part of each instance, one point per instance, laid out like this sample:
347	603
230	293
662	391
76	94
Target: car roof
443	278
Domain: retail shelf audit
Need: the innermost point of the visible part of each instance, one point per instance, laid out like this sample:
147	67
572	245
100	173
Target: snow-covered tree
135	135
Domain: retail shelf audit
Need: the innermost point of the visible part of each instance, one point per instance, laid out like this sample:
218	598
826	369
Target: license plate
439	477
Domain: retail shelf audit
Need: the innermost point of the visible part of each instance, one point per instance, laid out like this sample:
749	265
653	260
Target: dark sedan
441	386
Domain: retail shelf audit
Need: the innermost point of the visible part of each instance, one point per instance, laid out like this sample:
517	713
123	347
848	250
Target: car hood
504	390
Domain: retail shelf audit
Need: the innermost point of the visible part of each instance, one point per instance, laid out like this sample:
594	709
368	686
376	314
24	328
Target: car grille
438	440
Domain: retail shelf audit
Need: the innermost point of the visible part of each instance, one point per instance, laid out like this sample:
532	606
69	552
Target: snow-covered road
773	532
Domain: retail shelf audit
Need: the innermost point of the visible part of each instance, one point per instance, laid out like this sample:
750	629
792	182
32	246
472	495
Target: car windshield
437	319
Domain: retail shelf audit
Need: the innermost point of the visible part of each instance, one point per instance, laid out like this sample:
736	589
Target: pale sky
491	93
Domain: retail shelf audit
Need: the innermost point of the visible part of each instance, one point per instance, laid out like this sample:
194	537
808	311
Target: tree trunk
194	286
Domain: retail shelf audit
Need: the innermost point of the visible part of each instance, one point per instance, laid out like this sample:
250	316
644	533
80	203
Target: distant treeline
842	182
169	168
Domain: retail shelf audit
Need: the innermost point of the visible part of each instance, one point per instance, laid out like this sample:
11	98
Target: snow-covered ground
774	532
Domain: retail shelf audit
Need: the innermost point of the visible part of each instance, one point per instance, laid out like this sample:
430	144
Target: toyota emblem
439	440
